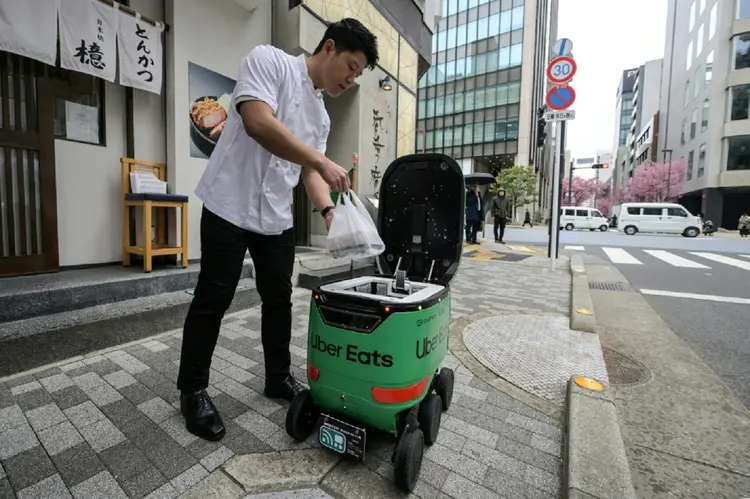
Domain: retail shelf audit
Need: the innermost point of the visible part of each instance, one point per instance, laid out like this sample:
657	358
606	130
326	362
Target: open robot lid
421	217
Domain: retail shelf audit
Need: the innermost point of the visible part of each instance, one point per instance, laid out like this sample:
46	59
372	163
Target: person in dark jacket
474	212
500	213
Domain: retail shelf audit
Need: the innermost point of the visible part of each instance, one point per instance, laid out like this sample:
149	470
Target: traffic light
600	165
540	133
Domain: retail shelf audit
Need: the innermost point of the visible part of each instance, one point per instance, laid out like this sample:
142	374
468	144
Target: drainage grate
608	286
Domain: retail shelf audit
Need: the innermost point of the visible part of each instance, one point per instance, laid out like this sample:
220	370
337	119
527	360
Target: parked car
666	218
581	217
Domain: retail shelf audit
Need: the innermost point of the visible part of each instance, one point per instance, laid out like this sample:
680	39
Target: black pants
472	227
499	228
223	247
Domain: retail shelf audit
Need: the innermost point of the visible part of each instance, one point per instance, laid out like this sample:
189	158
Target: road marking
723	259
693	296
675	260
574	248
745	256
619	255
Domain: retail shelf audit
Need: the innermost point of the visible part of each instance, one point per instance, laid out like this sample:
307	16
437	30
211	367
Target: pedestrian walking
744	225
500	213
474	213
527	219
275	135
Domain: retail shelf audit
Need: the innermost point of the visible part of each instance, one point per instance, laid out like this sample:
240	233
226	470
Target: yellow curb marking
589	384
584	311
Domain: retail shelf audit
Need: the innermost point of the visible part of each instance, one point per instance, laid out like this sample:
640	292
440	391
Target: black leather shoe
201	416
286	388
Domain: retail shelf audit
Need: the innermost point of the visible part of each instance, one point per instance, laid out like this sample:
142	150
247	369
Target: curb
596	465
582	316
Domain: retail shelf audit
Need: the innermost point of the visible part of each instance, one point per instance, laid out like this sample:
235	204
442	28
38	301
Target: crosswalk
686	260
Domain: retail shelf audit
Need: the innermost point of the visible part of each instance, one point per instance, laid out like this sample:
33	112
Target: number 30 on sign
561	69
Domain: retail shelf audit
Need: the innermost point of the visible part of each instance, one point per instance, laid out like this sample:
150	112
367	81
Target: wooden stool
149	201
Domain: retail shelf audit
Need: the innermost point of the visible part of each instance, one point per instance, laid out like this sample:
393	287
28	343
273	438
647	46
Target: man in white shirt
275	134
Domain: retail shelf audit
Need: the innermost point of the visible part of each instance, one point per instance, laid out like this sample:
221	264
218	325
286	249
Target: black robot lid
421	217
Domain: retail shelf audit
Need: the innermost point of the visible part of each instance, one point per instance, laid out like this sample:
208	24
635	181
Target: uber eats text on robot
376	343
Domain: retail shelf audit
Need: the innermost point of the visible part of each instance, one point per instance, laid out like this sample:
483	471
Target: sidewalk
107	425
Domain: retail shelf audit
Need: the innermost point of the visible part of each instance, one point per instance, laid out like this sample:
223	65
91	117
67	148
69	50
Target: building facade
706	118
646	100
478	102
62	206
623	122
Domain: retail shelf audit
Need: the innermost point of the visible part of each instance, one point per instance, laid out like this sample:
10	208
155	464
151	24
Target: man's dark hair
350	35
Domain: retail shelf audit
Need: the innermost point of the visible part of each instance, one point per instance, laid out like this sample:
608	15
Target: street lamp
669	169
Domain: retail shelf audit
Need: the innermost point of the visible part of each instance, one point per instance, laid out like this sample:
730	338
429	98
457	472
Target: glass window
517	22
740	102
634	211
694	123
689	55
489	131
692	17
701	159
743	9
704	114
690	165
709	68
516	55
84	92
741	51
712	21
676	212
582	213
738	153
682	131
699	45
656	212
686	96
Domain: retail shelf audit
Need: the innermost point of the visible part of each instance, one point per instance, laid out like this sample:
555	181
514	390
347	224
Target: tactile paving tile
538	353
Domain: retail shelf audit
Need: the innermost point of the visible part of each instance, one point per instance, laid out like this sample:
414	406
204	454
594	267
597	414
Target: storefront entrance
28	202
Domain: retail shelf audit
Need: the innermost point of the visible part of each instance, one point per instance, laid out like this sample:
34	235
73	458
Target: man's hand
335	176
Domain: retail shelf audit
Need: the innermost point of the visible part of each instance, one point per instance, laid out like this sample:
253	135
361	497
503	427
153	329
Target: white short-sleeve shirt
243	182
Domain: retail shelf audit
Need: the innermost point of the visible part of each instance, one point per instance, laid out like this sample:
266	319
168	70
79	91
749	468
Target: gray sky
608	36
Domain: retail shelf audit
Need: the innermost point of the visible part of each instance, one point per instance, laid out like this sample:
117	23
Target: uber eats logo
429	344
352	353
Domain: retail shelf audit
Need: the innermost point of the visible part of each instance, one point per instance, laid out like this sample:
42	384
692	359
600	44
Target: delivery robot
376	343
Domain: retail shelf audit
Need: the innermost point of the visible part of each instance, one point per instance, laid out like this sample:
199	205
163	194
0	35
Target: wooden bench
162	202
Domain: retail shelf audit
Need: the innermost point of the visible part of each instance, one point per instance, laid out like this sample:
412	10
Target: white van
581	217
666	218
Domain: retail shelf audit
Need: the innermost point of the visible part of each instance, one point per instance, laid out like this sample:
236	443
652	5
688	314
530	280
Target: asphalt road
700	287
539	237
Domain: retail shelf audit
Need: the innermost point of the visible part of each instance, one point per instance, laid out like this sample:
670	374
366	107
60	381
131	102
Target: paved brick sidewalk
107	425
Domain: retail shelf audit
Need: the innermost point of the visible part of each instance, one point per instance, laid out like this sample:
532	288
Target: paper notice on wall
146	183
29	28
88	37
81	122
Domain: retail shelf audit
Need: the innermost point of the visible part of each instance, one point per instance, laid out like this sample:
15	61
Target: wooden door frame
48	260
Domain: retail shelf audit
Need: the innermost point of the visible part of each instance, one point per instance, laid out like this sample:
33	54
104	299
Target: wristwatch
325	210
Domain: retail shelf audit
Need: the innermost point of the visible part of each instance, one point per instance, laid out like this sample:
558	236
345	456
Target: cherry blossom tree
582	190
656	182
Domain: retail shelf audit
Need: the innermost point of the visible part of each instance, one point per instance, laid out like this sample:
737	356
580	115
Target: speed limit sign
561	69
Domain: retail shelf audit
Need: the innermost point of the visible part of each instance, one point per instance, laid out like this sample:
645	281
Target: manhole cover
608	286
623	370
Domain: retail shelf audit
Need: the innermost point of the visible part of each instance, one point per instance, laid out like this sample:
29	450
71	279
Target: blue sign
561	98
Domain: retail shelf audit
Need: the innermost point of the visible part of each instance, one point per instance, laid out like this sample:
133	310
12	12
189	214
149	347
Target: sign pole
563	127
554	232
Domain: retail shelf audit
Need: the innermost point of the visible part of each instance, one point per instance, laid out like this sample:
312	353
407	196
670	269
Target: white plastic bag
353	234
